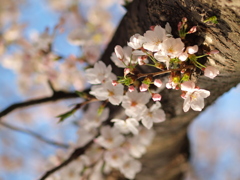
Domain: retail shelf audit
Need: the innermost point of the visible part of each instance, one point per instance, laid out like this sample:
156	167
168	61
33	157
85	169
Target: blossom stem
151	57
163	72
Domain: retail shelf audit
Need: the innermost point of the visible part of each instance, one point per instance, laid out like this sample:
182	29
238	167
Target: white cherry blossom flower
116	157
145	136
154	39
136	41
107	91
130	168
194	98
154	114
134	103
135	147
99	73
126	126
172	47
124	58
110	138
211	72
162	57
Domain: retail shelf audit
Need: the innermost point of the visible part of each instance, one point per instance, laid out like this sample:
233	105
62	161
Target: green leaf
185	77
212	19
66	115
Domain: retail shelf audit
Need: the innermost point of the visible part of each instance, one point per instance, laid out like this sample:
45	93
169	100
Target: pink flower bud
157	82
131	88
152	28
119	52
184	19
169	85
211	72
126	71
213	52
192	49
192	30
156	97
179	26
183	71
183	56
114	82
144	87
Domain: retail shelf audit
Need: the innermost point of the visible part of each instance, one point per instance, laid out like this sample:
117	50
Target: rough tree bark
167	157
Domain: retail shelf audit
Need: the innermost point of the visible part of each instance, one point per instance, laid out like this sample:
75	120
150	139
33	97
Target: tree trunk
167	158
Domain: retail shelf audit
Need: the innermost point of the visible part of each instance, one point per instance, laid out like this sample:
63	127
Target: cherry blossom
134	103
130	168
124	58
145	136
135	147
107	91
154	114
99	73
116	157
136	41
126	126
194	98
154	39
110	138
172	47
162	57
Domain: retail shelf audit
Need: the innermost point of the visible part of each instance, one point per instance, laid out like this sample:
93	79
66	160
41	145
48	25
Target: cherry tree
166	61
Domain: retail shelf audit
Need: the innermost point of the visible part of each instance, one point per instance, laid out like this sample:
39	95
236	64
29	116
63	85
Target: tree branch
76	153
33	134
58	95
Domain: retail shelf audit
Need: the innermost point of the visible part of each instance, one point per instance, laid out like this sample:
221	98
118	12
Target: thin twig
162	72
77	152
51	86
58	95
34	134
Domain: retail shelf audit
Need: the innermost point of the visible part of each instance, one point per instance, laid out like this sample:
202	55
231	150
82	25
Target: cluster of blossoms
158	48
124	139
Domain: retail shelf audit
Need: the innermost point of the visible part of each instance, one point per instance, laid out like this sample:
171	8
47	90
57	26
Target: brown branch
33	134
163	72
76	153
58	95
